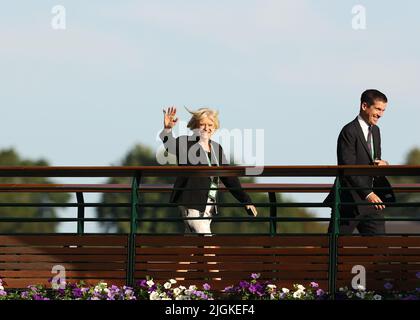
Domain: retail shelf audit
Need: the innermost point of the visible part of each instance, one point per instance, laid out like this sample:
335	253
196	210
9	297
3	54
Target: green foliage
139	156
144	156
264	227
9	157
412	158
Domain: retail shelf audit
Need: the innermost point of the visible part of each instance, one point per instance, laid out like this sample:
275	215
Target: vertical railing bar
80	213
273	213
333	243
133	230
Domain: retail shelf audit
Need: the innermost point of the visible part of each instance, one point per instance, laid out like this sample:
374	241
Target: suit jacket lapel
362	137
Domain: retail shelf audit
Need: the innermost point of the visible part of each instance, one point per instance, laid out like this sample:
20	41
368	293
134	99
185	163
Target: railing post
273	213
335	230
133	230
80	213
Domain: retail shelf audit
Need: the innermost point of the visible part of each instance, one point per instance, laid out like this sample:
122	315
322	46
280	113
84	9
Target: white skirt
198	225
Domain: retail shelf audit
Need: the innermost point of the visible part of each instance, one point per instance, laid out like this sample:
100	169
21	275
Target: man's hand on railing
379	162
373	198
252	211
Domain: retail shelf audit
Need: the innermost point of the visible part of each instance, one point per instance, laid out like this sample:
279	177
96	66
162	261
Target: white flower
271	286
154	296
285	290
298	294
167	285
172	281
182	288
1	288
361	295
341	289
188	292
192	288
150	283
300	287
177	291
377	297
360	287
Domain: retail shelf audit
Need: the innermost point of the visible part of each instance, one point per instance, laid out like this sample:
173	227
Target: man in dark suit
359	143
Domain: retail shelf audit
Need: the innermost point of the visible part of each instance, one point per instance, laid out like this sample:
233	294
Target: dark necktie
369	142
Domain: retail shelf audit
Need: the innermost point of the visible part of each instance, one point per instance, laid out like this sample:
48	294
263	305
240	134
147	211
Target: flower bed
252	289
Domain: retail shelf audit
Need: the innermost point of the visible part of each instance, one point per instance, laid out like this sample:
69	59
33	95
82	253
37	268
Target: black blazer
352	149
189	152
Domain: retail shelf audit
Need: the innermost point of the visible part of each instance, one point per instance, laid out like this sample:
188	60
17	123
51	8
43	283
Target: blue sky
87	94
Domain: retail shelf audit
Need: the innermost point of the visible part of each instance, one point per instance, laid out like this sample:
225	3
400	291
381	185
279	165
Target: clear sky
85	95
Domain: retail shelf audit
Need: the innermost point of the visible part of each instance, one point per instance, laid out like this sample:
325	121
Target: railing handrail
155	171
166	188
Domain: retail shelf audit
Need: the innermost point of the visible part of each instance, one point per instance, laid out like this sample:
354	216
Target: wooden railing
220	260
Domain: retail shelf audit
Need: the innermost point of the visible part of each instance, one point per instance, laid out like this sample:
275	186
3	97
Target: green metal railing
135	205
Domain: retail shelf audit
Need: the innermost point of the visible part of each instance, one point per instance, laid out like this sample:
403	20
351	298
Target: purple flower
320	292
388	286
152	288
244	284
252	288
77	292
142	283
256	289
230	289
255	276
314	285
206	287
418	289
410	297
418	275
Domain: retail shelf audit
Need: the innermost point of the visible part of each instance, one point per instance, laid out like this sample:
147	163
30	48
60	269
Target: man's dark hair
372	95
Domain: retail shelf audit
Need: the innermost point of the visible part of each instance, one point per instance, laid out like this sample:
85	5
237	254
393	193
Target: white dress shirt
364	125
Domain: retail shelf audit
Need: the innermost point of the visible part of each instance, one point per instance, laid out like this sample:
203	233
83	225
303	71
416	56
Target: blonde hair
201	113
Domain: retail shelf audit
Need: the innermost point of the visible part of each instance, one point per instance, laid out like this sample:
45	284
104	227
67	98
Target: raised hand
169	118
